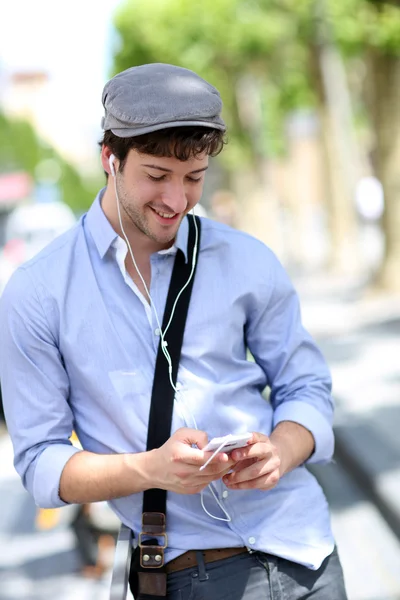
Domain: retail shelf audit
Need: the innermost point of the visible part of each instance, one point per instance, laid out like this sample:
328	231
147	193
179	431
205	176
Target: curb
383	488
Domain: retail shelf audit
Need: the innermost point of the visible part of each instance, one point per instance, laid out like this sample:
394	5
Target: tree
371	29
267	58
236	46
259	54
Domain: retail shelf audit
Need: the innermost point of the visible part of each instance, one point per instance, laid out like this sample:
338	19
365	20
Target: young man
80	331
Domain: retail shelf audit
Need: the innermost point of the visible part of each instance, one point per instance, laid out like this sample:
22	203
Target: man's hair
179	142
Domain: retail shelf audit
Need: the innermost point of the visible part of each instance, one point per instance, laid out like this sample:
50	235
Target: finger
257	450
210	473
198	458
219	469
219	459
200	481
217	464
258	437
253	471
264	482
243	464
225	472
189	475
191	437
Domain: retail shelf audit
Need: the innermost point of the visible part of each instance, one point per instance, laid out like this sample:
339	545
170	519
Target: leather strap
152	584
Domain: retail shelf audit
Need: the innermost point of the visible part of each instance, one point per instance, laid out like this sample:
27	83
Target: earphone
164	343
111	163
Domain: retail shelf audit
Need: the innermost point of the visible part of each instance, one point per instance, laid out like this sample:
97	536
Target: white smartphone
230	442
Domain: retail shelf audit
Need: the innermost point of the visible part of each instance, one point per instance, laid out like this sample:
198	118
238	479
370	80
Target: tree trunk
304	193
339	188
259	213
343	158
262	215
385	107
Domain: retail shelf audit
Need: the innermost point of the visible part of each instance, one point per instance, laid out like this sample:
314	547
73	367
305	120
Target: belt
189	559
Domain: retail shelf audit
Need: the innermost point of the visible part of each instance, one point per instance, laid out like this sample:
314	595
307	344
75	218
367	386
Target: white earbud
111	163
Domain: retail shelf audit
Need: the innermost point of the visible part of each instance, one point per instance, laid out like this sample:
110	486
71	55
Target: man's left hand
258	465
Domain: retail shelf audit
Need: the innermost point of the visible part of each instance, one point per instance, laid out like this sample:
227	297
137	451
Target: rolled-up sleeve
297	373
35	391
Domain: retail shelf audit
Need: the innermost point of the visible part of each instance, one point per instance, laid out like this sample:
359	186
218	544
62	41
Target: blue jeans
258	576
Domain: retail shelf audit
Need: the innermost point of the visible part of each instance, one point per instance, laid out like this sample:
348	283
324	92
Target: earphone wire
162	334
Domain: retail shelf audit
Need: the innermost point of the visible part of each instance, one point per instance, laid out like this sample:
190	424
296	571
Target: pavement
358	331
37	563
359	334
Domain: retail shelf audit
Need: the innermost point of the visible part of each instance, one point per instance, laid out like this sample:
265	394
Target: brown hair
179	142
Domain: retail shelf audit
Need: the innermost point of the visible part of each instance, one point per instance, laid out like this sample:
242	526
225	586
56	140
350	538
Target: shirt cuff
309	417
47	474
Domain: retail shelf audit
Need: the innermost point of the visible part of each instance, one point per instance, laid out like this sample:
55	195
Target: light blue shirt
78	351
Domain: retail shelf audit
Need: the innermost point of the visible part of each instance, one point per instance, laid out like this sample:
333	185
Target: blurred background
311	92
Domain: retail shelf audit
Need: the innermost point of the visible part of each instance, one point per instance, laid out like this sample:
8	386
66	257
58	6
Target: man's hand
258	465
175	466
266	459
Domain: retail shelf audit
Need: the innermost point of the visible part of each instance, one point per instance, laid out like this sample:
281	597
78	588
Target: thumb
191	436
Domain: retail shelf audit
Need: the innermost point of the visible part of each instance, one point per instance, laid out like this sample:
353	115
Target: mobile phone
227	443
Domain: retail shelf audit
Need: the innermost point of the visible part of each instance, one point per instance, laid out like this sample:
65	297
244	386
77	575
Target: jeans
258	576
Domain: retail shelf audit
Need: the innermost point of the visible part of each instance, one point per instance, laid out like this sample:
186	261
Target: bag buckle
151	551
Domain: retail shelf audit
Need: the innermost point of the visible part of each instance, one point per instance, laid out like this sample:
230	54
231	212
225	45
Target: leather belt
189	559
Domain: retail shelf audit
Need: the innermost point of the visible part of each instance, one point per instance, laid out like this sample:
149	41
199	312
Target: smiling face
155	193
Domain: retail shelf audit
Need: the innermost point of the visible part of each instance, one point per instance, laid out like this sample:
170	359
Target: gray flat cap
158	96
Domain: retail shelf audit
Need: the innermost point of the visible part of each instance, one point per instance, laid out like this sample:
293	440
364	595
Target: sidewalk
360	338
36	564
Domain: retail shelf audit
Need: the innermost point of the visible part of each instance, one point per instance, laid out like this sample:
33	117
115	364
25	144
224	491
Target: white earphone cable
164	343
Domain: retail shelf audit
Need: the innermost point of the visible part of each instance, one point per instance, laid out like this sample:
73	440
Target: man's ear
107	164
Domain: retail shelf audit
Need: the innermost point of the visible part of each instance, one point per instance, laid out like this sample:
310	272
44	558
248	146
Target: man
81	329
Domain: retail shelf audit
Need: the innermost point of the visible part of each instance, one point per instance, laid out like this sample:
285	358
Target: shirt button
178	385
252	540
225	494
157	331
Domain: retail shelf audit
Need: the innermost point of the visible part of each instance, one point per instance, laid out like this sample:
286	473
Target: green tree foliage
270	39
279	48
22	149
363	24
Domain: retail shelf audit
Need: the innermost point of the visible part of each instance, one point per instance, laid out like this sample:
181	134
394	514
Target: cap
158	96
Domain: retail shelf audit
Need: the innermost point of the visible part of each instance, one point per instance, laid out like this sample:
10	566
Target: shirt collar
104	235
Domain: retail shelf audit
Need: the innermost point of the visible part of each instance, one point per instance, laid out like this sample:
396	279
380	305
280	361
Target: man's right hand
175	465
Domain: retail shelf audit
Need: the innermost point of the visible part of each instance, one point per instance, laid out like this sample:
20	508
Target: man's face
156	193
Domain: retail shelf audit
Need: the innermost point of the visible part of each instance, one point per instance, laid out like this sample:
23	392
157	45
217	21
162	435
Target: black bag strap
148	578
162	396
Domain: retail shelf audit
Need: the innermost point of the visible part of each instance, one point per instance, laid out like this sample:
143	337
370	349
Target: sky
69	40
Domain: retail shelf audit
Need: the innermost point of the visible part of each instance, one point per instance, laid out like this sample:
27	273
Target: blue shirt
78	351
